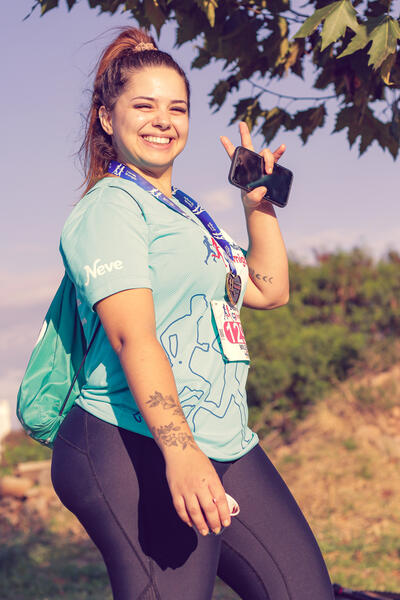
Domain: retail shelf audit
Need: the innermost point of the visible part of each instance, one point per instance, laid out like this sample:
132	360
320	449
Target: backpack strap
79	369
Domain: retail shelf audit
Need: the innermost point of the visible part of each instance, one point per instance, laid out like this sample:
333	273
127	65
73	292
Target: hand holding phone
248	172
261	170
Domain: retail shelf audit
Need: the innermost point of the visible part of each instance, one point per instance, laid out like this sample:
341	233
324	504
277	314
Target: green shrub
343	315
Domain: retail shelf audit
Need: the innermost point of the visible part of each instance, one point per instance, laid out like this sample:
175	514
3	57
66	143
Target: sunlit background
338	200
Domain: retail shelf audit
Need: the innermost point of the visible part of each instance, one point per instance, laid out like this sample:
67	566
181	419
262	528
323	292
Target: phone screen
247	172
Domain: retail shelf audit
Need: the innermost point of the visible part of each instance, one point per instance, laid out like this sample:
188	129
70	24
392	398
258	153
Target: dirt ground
342	464
343	467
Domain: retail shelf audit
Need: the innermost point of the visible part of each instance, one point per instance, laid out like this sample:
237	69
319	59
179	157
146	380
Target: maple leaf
337	21
337	16
357	42
208	6
154	14
384	38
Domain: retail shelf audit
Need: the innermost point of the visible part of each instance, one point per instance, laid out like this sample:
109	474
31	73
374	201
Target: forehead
156	82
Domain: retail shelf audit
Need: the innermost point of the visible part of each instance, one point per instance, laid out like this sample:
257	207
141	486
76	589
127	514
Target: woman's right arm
129	322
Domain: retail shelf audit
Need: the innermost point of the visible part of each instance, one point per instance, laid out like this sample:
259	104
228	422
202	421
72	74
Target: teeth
157	140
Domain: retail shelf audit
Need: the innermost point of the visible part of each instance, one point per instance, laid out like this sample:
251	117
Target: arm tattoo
171	435
254	276
167	402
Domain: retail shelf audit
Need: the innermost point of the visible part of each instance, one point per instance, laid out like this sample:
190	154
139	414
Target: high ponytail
132	50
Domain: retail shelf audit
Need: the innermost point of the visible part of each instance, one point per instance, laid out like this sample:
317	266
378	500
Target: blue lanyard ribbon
117	168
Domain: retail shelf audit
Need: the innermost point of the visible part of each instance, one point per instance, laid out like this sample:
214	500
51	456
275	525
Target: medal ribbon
117	168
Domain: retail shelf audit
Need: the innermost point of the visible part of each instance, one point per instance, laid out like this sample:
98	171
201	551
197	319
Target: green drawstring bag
54	377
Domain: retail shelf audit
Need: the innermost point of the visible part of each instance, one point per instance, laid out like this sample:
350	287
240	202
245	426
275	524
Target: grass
362	564
340	467
44	566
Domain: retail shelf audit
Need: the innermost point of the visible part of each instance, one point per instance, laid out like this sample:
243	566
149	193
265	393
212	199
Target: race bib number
230	331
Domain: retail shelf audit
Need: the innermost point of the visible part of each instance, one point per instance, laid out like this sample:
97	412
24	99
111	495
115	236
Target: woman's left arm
268	285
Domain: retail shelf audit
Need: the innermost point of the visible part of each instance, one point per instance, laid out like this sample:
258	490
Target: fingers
279	151
270	158
180	507
221	503
245	136
206	511
227	144
196	513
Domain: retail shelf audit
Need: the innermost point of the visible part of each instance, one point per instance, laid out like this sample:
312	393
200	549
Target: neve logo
97	269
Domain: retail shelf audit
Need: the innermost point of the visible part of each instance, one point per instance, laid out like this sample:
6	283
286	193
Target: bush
340	310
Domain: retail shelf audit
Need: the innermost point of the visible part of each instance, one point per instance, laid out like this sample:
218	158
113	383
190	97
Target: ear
105	120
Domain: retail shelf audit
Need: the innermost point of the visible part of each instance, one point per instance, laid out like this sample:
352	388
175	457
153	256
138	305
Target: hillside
342	463
343	467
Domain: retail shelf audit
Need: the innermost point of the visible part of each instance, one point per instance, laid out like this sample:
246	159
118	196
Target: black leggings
114	481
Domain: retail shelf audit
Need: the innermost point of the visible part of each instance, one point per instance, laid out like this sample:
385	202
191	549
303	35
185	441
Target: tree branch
291	97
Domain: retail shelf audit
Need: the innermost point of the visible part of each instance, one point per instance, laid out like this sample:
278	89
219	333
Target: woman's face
150	121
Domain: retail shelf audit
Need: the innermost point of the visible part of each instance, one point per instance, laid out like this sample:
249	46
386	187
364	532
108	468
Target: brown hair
116	63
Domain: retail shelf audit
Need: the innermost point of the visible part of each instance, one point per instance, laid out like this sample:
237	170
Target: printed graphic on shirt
224	398
98	269
214	252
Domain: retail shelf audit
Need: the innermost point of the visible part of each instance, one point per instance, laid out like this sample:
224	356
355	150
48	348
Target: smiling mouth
153	139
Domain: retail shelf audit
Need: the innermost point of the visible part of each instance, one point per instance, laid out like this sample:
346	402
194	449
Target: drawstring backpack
54	377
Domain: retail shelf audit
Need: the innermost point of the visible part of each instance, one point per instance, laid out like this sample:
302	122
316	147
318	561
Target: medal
233	285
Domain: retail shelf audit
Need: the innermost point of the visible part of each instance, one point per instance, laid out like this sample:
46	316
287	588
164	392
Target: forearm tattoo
167	403
171	434
259	276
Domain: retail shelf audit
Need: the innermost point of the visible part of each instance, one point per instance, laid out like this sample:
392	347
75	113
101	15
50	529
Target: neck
161	181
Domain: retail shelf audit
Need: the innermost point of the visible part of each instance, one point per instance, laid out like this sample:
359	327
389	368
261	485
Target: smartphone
248	172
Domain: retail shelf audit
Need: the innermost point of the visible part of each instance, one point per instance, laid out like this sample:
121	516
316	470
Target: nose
162	120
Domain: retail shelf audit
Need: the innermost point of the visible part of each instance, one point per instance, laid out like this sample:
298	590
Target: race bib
230	331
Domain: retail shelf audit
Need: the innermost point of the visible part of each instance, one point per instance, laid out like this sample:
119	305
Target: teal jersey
120	237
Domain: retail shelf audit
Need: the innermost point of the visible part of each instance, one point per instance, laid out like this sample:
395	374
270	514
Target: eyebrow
153	99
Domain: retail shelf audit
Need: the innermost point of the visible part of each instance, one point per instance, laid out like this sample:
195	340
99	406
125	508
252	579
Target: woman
159	434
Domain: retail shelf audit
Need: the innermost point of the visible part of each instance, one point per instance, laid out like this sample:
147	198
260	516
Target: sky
338	200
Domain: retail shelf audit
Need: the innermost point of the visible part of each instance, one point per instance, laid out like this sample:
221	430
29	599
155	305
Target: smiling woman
116	103
150	130
156	459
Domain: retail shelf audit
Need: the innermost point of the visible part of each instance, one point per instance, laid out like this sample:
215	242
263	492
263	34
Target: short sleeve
104	245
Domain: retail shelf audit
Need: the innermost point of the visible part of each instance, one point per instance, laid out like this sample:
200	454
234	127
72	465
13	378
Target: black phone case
248	189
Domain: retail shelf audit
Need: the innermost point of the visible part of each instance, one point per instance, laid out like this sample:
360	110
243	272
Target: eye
180	109
142	106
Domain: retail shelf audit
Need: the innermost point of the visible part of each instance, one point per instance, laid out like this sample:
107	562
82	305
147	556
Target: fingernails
226	523
204	532
217	530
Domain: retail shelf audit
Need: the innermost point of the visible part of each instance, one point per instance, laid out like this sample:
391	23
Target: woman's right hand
197	492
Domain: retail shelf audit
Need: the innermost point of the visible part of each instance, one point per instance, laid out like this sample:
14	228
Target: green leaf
314	20
386	68
202	59
47	5
154	14
274	120
337	21
248	110
209	6
358	41
308	120
348	117
384	41
189	26
394	125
